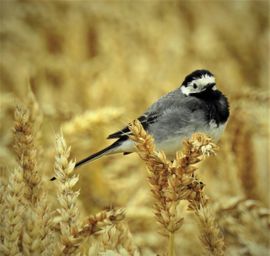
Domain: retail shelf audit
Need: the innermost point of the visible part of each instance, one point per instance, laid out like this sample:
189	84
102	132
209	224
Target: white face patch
198	85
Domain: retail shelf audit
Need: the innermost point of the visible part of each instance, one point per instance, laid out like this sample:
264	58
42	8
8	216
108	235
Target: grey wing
172	113
171	99
179	120
153	112
146	119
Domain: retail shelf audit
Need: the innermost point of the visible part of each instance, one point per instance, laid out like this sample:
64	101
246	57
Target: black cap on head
195	75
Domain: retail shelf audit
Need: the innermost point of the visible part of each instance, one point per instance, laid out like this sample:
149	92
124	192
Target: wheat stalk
171	182
34	203
68	213
26	151
12	214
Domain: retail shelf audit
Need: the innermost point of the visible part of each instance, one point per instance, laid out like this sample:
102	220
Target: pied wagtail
196	106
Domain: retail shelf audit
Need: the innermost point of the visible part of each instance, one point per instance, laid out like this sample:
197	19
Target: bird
195	106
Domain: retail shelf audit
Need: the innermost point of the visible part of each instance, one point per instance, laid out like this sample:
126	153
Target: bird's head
197	82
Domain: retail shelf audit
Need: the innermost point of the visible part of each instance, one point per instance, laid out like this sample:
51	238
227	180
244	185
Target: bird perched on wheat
196	106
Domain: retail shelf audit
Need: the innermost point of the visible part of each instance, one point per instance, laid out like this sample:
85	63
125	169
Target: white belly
215	131
173	144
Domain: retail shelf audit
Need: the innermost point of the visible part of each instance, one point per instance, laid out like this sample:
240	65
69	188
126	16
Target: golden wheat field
72	72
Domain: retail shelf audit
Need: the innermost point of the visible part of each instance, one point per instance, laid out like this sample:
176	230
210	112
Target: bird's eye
195	86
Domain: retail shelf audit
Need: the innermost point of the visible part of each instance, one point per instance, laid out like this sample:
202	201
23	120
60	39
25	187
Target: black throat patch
217	105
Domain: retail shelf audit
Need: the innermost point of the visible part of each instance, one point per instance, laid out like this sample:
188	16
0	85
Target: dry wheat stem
105	225
171	250
13	214
34	204
171	182
26	151
68	213
159	168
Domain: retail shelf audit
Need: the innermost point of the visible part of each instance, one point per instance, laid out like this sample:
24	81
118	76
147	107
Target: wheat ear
173	181
68	213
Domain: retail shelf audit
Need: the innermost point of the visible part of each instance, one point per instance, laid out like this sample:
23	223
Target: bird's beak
210	86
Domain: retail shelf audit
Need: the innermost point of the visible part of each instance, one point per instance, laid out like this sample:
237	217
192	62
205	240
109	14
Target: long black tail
96	155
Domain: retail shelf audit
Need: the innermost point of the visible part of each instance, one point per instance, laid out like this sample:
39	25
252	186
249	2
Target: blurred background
93	66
